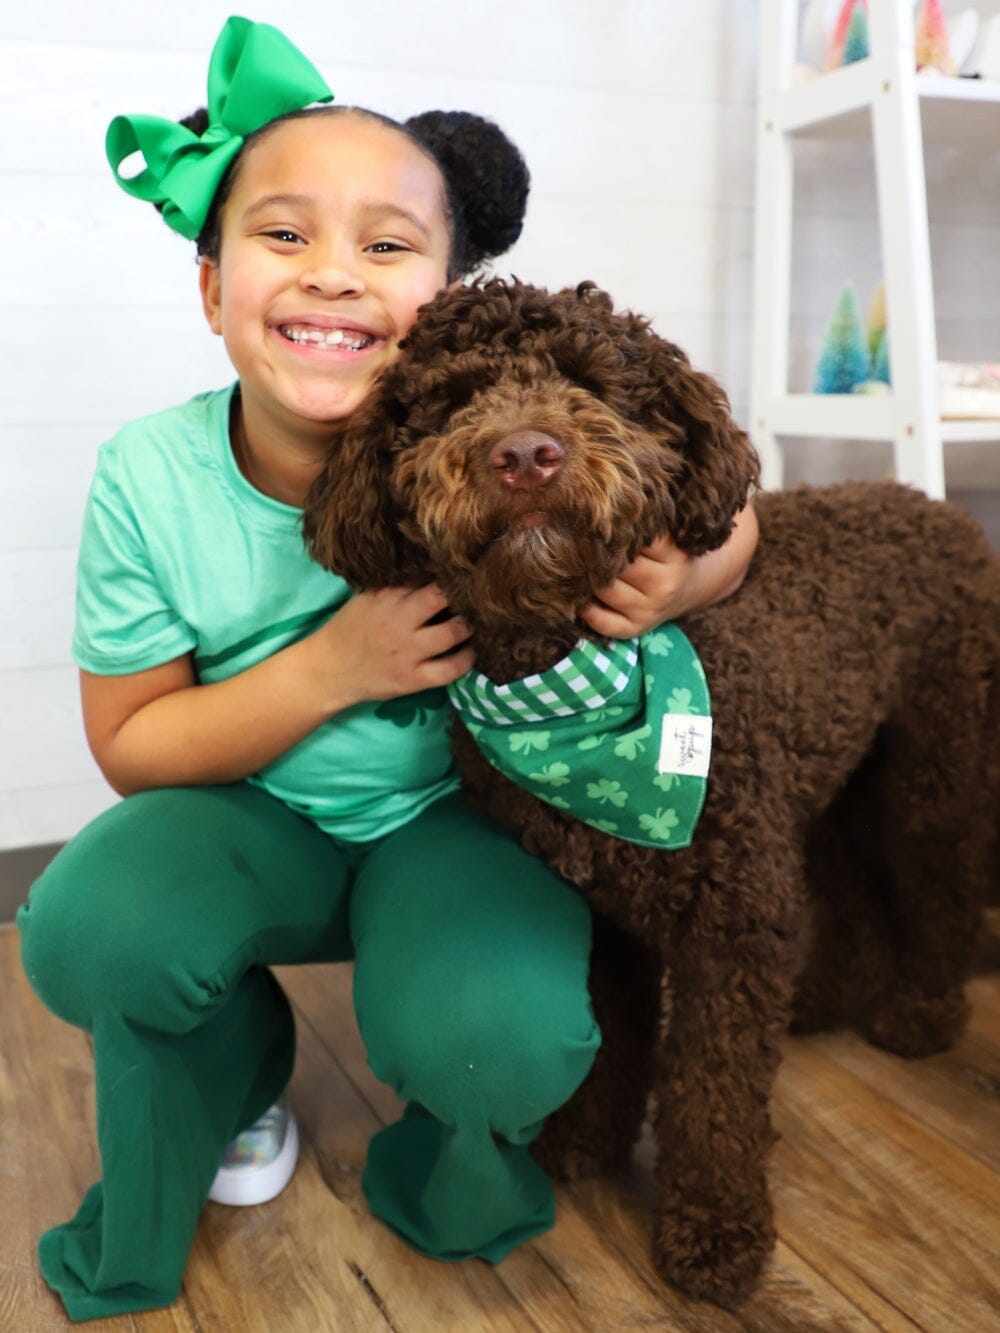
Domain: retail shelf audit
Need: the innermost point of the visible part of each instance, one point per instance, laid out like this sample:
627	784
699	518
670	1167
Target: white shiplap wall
636	118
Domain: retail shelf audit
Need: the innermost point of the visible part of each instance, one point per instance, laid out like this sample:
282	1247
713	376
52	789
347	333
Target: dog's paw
914	1025
708	1258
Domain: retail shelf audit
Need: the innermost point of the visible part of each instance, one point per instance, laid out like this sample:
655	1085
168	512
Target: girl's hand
380	645
644	595
663	583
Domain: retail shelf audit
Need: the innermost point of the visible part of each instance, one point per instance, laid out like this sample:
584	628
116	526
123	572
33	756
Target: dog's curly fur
853	793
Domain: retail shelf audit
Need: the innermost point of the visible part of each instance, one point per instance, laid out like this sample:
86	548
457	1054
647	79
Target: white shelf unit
880	96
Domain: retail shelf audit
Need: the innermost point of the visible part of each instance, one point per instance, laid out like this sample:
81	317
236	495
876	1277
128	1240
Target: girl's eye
284	235
386	247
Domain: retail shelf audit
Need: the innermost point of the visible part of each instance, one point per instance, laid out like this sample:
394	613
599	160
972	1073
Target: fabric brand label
685	745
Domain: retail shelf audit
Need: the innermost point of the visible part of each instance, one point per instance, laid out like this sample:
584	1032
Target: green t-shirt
181	554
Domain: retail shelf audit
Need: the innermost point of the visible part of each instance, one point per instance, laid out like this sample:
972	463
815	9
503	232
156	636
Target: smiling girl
284	802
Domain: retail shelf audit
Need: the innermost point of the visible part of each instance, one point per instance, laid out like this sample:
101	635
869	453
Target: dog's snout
526	459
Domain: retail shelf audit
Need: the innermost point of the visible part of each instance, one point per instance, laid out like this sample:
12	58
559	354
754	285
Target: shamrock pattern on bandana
585	736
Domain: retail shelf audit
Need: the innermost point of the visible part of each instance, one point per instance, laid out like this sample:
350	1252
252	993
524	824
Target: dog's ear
718	466
711	464
351	523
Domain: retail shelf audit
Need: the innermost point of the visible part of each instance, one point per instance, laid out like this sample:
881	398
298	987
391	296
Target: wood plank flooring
886	1183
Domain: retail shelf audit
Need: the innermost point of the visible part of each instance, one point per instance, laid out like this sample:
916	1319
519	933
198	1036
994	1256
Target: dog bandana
617	736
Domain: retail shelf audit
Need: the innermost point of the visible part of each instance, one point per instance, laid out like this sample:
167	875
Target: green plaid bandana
619	736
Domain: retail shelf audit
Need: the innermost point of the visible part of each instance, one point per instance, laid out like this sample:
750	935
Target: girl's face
334	233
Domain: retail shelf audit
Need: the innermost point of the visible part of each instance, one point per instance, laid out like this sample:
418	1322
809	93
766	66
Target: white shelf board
970	432
850	416
847	416
831	105
836	106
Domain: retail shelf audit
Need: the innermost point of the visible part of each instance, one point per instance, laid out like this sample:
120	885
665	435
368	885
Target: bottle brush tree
875	320
856	42
844	360
838	38
880	361
931	39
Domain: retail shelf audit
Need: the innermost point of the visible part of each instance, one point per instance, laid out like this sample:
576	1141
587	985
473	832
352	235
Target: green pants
153	930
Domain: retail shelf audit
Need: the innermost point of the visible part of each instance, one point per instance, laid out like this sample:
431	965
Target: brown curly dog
525	448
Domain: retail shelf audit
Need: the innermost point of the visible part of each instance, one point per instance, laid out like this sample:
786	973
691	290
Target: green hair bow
255	75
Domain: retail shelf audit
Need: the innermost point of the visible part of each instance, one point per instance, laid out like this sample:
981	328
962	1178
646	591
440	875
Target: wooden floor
886	1183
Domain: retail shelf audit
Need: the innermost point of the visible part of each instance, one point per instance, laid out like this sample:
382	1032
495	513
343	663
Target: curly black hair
485	177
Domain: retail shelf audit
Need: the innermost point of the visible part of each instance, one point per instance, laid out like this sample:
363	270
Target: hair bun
197	122
487	176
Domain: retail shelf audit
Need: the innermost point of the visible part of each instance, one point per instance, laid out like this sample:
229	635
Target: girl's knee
98	936
506	1059
59	946
81	964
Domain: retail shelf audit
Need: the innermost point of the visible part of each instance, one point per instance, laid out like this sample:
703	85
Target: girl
233	693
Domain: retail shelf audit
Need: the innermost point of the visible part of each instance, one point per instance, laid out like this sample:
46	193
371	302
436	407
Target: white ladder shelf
886	86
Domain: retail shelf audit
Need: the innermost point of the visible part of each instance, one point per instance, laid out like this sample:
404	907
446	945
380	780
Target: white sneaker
259	1163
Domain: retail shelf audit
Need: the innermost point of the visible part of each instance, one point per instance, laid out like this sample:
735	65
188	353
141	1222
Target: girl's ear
350	522
211	293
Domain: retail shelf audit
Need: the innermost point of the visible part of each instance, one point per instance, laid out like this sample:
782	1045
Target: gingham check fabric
589	735
591	676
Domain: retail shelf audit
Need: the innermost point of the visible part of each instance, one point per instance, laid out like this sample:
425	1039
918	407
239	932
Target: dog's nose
526	459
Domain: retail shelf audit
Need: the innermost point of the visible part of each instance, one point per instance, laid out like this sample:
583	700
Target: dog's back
866	604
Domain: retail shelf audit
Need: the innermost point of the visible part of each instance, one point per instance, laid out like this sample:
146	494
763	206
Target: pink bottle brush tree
931	39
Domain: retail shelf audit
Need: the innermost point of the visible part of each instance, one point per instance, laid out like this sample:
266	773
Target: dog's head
526	446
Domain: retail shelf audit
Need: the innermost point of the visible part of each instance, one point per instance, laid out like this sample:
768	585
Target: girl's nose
331	274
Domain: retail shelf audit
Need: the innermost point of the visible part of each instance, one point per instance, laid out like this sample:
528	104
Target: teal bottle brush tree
845	360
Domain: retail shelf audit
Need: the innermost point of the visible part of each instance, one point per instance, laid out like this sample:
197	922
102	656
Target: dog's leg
847	942
938	817
918	1005
731	988
594	1133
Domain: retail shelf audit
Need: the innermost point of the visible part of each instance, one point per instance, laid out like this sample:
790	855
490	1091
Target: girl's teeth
334	338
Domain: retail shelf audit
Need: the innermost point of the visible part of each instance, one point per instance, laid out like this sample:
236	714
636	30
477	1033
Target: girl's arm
160	728
664	583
